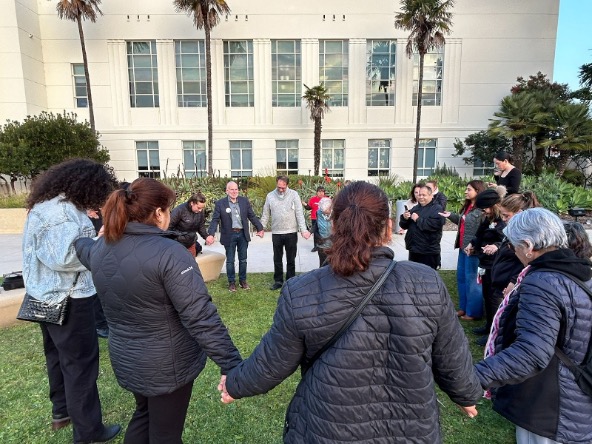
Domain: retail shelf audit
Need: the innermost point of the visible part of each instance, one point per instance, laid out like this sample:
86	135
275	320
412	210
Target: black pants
315	232
288	241
492	298
72	357
159	419
100	320
431	260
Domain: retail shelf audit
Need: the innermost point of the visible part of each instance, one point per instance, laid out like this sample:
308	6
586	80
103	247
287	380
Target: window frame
281	74
134	68
243	147
150	147
246	83
374	73
486	168
433	76
337	87
286	149
80	101
195	171
422	169
336	151
378	170
196	74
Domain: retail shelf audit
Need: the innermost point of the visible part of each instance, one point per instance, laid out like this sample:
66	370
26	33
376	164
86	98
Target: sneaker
276	286
244	285
482	341
232	286
103	332
481	330
109	433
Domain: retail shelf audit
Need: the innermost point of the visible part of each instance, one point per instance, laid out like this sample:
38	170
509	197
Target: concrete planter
10	302
12	220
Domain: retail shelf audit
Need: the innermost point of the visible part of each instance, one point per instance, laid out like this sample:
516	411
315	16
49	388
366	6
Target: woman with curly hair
57	217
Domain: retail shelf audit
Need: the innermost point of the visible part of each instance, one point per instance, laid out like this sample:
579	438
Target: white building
148	81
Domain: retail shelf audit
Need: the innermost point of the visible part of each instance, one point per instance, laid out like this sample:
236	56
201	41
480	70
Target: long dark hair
360	218
83	182
478	186
135	204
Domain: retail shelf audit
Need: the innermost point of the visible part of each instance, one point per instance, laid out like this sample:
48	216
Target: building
147	74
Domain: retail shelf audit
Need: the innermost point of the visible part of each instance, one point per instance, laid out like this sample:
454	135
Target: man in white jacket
284	207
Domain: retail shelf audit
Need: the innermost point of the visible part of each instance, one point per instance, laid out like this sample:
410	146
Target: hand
101	231
489	249
306	234
508	288
93	214
260	233
210	240
468	249
470	411
406	215
444	214
224	396
414	217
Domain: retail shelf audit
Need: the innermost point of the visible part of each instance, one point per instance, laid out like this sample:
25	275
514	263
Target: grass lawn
25	410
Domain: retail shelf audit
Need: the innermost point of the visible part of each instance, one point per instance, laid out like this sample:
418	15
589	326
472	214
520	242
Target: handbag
34	310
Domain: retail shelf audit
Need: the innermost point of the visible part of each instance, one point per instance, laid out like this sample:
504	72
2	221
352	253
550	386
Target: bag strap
560	353
306	365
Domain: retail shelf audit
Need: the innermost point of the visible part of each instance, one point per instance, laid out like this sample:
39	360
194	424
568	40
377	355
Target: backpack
583	371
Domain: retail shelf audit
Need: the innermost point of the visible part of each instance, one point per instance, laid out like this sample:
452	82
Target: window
333	70
241	158
379	157
426	158
143	74
194	158
80	94
190	60
433	67
380	73
238	73
286	154
332	151
481	168
148	161
286	73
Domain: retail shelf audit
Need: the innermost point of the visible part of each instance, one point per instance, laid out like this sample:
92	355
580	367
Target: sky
574	41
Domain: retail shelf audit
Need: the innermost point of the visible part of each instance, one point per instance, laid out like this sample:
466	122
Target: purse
34	310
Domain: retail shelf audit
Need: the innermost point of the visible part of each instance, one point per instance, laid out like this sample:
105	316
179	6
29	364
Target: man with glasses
189	219
232	214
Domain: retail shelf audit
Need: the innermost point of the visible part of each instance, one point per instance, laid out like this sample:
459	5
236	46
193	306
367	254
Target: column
451	80
218	85
404	86
310	70
118	74
357	81
262	81
165	51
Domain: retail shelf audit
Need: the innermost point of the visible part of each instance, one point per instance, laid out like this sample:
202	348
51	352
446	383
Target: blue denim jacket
50	263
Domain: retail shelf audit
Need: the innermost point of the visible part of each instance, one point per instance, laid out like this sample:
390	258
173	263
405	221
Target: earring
528	255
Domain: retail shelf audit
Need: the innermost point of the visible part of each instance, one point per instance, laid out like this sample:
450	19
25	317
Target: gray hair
537	228
324	204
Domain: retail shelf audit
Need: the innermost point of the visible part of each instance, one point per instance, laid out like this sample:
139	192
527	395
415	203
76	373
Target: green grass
13	200
25	409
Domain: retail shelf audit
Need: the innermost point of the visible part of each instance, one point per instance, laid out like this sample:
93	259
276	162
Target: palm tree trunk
317	144
91	112
418	119
539	158
564	157
518	151
209	95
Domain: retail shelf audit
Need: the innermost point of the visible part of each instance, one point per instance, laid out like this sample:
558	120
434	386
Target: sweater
285	210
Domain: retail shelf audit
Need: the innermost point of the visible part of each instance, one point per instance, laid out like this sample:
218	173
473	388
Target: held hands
470	411
210	240
305	234
224	396
260	234
445	214
489	249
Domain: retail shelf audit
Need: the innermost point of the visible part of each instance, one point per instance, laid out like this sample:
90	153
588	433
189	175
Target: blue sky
574	41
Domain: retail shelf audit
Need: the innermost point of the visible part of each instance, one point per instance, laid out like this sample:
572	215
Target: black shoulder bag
307	363
582	372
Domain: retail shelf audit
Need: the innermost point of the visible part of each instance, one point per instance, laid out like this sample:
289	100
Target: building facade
147	73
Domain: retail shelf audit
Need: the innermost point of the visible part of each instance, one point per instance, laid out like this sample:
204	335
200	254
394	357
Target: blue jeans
470	294
239	243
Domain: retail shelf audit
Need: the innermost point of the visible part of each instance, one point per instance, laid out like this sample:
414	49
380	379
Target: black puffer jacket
424	235
376	384
534	389
187	223
162	321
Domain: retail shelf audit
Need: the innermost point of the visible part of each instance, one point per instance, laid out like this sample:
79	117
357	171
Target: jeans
470	294
289	241
523	436
239	243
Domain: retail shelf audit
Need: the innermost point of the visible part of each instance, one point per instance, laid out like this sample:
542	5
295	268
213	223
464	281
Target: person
424	229
578	240
411	202
438	196
162	320
189	218
100	321
313	206
232	214
529	385
56	219
284	207
505	173
470	296
324	228
485	245
376	383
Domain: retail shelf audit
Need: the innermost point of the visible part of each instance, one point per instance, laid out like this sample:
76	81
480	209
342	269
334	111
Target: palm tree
517	119
585	75
78	10
206	14
427	21
316	101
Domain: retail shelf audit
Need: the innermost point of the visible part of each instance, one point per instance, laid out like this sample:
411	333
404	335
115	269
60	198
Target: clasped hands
224	396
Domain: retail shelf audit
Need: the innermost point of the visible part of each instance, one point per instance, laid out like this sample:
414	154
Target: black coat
505	268
223	216
162	321
424	235
376	384
187	223
488	233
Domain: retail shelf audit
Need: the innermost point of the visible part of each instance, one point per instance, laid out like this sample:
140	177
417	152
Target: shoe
59	422
482	341
460	313
314	250
276	286
103	332
469	318
244	285
109	432
481	330
232	286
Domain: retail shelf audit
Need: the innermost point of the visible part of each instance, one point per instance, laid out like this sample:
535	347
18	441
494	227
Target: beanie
487	199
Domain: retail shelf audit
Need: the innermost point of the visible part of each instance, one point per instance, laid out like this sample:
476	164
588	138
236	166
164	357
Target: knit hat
487	199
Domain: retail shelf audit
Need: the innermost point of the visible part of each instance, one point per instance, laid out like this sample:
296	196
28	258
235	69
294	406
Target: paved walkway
260	253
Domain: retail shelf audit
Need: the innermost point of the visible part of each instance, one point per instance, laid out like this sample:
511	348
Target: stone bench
210	264
12	220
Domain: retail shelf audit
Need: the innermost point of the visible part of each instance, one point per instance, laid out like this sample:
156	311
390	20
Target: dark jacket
424	235
488	233
472	221
511	181
376	383
162	321
505	268
534	390
222	216
188	223
440	199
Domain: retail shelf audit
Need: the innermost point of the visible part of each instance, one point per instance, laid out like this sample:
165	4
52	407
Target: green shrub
13	201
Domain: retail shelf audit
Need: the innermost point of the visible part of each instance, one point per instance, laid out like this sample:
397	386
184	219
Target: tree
78	10
30	147
316	101
481	146
585	76
206	15
427	21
